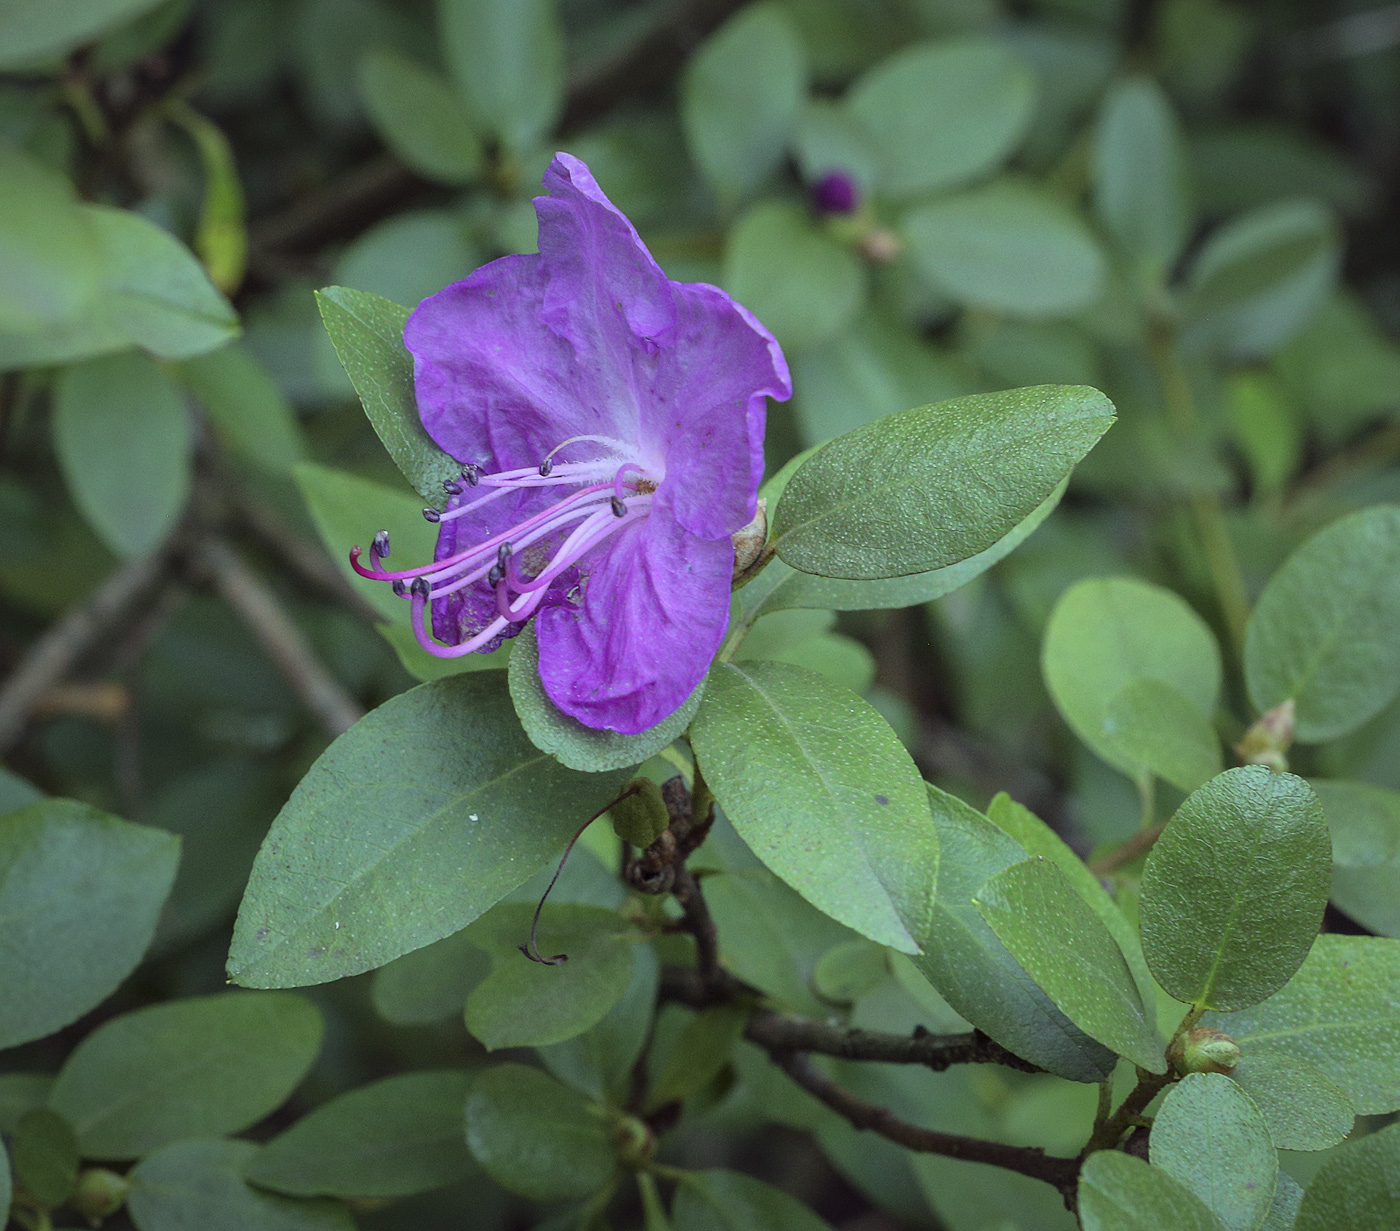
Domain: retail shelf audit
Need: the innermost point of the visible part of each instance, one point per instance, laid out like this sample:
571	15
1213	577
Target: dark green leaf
422	119
1120	1193
799	281
702	1050
423	815
1365	825
16	792
1340	1012
1303	1107
1156	726
731	1201
822	791
122	434
80	892
934	486
1007	247
430	984
740	96
1064	946
1104	634
973	970
522	1003
21	1092
31	32
1324	632
1283	1213
188	1068
1357	1189
589	749
847	971
536	1137
367	331
199	1186
248	410
942	113
1209	1135
1234	889
391	1138
507	57
46	1156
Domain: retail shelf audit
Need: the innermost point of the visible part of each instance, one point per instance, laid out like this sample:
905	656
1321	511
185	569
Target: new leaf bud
1204	1050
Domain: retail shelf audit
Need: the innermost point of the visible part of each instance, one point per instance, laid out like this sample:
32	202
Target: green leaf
123	439
589	749
391	1138
1064	946
780	586
1283	1213
1036	838
1007	246
701	1051
1340	1012
799	281
847	971
1365	825
740	96
155	289
31	32
248	410
410	255
1139	175
732	1201
421	118
1356	1189
942	113
1154	725
199	1186
934	486
974	971
80	892
45	1156
1324	632
21	1092
367	331
418	819
507	58
1234	889
1104	634
430	984
16	792
1260	278
537	1137
1209	1135
49	257
523	1003
187	1068
1303	1107
822	791
1120	1193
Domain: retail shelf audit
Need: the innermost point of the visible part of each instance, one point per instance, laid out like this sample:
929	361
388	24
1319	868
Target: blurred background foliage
1189	204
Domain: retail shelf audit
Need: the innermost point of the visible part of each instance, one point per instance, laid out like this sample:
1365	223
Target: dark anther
400	589
503	554
495	576
452	487
471	476
431	514
420	587
546	467
619	507
380	546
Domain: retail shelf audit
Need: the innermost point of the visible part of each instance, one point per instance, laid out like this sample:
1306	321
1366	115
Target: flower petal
654	611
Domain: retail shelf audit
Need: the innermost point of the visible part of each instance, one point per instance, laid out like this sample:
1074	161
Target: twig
700	924
55	652
1109	1132
1138	844
284	642
1060	1173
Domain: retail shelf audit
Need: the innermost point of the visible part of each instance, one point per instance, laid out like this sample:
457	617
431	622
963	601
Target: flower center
597	499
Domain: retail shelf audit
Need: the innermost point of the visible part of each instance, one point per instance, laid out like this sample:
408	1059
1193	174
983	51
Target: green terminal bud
1266	742
640	816
100	1193
1204	1050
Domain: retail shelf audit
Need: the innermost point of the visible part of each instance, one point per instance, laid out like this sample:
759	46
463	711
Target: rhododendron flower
610	426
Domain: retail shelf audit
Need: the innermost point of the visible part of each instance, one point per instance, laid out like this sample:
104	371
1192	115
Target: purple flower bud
836	193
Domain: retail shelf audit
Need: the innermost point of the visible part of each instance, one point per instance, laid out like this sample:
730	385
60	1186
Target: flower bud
1204	1050
748	545
1266	742
100	1193
836	192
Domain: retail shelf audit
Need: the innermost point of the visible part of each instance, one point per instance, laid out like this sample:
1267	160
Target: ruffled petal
707	405
654	610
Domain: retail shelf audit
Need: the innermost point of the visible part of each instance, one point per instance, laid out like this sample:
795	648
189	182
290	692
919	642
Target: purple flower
836	192
610	426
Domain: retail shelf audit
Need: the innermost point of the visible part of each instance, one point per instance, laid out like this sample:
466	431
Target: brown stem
701	925
1107	1134
284	642
1140	843
1061	1173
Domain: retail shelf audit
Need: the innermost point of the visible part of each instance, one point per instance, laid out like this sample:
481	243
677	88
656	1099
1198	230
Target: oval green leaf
1118	1192
1303	1108
1365	825
421	117
1355	1189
